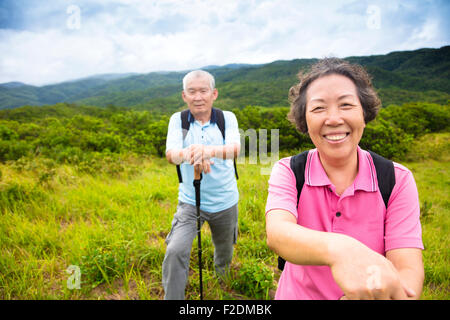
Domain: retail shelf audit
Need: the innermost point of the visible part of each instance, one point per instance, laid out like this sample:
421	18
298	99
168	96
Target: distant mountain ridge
398	76
12	84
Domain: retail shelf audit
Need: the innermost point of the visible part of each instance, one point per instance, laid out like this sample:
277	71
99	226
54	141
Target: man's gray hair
199	74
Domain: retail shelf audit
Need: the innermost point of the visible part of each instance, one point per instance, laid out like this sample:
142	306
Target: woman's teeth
336	137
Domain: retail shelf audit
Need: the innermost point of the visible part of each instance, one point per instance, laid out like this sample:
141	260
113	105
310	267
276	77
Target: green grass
112	223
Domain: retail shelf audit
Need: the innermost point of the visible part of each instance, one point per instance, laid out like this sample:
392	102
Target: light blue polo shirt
218	189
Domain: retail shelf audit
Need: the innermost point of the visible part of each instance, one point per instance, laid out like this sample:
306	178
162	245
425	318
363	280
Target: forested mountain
420	75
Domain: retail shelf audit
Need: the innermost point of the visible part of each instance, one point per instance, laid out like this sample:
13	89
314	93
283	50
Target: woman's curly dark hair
366	92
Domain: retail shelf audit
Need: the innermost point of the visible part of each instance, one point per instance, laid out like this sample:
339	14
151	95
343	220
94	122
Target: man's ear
183	95
215	93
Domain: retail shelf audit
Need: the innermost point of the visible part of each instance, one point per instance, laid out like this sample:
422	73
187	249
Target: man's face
199	96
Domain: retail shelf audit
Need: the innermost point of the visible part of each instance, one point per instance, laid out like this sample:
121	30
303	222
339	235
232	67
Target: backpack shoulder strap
298	165
385	175
220	121
185	124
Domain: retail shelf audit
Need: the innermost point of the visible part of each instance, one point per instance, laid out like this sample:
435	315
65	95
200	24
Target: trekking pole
197	179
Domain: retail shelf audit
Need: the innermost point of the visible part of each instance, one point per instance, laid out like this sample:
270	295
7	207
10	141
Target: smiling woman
333	103
339	236
335	121
369	100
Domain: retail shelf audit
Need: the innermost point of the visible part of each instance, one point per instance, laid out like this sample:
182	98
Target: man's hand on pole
200	156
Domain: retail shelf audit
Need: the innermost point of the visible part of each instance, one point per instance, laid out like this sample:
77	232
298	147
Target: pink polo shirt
359	212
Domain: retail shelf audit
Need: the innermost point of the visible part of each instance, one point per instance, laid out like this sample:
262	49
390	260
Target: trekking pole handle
197	179
197	172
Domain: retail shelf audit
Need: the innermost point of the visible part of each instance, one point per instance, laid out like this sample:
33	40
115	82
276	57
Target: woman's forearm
352	263
297	244
409	264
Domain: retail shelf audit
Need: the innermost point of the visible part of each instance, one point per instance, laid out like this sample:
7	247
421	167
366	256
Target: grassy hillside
112	222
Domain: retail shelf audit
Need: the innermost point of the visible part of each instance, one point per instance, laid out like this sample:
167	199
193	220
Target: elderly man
206	145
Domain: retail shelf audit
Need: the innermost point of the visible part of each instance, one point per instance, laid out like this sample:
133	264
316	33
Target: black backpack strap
385	175
298	165
220	121
185	124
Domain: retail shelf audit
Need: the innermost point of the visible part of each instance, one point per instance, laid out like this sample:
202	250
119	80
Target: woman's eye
317	109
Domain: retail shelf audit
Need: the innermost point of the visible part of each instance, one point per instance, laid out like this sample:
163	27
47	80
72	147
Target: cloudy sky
44	42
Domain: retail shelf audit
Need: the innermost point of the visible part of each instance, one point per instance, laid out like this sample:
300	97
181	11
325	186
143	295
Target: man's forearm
175	156
228	151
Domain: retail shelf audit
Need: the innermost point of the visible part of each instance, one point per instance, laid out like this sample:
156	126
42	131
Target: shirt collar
366	179
213	119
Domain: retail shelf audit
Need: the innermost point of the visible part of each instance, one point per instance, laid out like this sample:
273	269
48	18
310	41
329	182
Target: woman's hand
364	274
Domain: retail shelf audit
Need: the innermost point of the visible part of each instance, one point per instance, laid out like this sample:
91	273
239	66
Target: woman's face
334	116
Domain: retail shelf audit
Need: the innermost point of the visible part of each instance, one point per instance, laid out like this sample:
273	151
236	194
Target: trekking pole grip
197	179
197	172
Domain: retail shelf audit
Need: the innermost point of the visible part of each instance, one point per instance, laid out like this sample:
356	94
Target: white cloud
145	36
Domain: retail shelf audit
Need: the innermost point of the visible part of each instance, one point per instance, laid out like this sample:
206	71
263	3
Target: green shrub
7	134
386	140
13	149
103	263
253	279
418	118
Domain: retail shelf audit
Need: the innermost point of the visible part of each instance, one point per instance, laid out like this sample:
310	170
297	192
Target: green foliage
70	133
391	135
418	119
7	134
157	133
72	136
254	279
434	146
13	195
386	140
103	263
13	150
